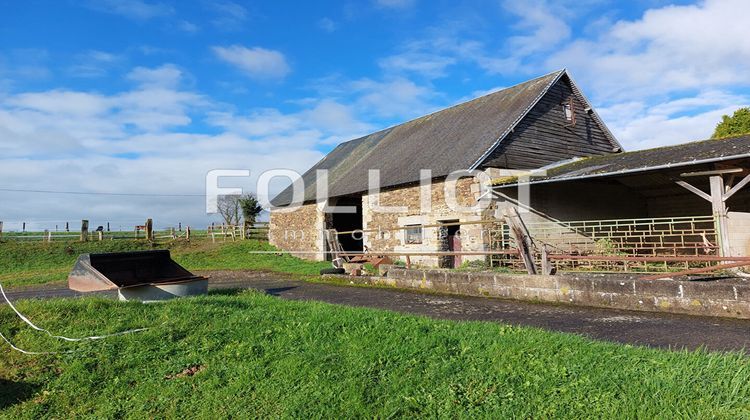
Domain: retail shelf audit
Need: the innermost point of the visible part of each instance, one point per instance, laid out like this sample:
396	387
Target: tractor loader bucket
140	275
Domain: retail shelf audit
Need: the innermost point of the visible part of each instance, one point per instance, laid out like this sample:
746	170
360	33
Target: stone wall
409	197
299	231
725	298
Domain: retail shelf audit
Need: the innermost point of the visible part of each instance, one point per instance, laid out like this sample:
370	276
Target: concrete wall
739	233
726	298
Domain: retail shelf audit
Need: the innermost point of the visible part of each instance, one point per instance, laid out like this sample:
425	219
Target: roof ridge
557	72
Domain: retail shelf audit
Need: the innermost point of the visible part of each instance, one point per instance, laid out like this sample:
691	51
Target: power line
98	193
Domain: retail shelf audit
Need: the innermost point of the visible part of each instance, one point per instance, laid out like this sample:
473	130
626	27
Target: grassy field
29	263
244	353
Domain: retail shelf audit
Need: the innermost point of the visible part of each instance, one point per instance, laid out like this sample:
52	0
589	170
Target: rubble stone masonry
298	231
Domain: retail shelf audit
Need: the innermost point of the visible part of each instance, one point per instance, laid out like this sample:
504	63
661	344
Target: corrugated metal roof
697	152
445	141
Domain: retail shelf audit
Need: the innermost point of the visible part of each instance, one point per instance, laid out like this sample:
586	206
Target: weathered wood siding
545	135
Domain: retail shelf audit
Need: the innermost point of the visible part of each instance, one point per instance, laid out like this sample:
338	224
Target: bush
737	124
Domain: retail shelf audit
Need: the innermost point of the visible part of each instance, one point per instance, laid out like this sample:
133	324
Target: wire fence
212	232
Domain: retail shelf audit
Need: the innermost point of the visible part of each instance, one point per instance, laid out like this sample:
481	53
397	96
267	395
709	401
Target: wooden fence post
84	230
1	229
67	227
101	235
24	227
150	230
547	267
47	235
187	233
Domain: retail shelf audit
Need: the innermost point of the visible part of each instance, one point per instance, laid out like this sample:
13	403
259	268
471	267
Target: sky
143	97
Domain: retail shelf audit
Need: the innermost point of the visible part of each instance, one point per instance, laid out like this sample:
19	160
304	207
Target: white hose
33	353
31	324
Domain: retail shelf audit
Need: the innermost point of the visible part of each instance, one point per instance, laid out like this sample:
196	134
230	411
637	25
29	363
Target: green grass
262	356
33	263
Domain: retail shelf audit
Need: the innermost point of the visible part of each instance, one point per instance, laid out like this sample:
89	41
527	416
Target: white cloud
229	15
400	97
93	63
61	102
23	64
543	26
188	27
327	25
256	62
167	75
140	140
132	9
667	50
662	78
338	119
415	60
641	125
391	99
325	122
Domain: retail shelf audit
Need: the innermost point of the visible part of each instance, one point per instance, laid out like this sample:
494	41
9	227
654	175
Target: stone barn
540	148
531	125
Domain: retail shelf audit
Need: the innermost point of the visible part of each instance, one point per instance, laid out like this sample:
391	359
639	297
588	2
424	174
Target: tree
229	209
250	208
737	124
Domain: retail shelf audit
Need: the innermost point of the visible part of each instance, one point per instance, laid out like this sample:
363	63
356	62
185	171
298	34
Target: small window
570	112
414	234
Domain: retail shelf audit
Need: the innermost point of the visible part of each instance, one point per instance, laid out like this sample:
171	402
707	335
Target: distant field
245	354
26	263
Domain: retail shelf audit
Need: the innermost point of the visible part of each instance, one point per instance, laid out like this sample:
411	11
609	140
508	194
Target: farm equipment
140	275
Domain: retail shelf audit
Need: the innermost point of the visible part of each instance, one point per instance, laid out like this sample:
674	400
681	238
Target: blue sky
139	96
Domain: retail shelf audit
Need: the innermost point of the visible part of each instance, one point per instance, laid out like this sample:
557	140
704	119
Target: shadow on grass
226	292
15	392
273	291
277	291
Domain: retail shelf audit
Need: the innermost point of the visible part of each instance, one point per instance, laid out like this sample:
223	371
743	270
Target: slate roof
686	154
445	141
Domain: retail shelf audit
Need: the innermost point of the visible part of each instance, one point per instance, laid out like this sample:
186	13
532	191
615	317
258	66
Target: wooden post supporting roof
718	198
719	207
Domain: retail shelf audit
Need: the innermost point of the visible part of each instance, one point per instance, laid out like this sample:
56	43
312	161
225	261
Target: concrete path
651	329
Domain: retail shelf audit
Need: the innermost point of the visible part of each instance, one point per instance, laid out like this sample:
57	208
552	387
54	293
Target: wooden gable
560	126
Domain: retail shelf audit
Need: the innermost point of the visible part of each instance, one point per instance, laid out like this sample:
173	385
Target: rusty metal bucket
144	271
